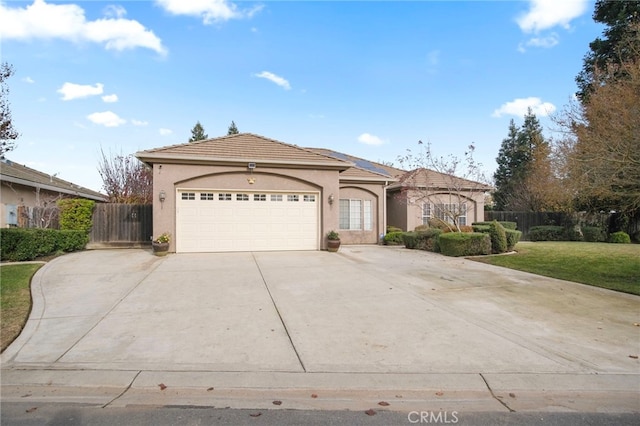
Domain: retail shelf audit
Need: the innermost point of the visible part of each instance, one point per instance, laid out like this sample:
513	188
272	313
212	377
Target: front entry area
212	220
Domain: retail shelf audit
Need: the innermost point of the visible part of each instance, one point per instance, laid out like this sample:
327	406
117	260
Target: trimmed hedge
547	233
464	244
393	238
594	234
505	225
18	244
422	240
76	214
620	237
480	228
513	237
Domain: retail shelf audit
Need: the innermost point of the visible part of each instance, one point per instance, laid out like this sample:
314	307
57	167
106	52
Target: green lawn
15	299
612	266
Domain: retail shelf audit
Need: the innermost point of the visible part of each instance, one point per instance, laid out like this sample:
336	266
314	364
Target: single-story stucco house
22	186
246	192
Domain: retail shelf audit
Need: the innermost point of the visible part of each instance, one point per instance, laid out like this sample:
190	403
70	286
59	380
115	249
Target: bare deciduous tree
125	179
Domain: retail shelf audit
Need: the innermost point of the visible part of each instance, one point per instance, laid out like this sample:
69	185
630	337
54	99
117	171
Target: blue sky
366	78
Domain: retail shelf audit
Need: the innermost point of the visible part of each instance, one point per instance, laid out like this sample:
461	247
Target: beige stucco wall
171	177
361	191
474	200
22	195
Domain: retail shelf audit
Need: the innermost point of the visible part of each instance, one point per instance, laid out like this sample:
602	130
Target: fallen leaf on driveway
277	402
313	395
439	393
383	403
512	395
31	410
370	412
637	324
26	395
162	386
255	414
210	389
633	356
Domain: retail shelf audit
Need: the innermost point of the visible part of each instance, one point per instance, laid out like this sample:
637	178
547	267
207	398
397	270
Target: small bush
481	228
440	224
505	225
547	233
464	244
620	237
76	214
498	237
428	240
513	237
594	234
421	228
393	238
410	240
27	244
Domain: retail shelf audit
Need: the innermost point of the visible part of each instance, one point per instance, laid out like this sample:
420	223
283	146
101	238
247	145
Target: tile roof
19	173
431	179
242	147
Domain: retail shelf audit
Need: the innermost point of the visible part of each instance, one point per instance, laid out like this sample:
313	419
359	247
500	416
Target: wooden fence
526	220
121	225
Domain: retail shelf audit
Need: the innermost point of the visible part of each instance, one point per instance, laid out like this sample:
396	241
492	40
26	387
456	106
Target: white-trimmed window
426	213
444	212
188	196
293	198
224	197
242	197
276	197
368	216
309	198
206	196
350	214
259	197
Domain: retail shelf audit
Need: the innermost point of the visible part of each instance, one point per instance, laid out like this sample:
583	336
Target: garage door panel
208	221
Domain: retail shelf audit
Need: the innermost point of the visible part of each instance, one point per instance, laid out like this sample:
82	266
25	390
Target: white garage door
214	221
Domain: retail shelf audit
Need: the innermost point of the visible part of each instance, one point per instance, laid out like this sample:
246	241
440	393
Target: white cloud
139	123
209	10
545	14
114	11
165	132
519	107
274	78
28	80
107	119
41	20
110	98
369	139
71	91
544	42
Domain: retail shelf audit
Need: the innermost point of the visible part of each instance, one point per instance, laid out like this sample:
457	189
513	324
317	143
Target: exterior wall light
162	196
331	199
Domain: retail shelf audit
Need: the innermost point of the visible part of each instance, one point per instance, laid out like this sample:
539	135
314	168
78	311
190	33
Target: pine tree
233	130
7	132
197	133
503	177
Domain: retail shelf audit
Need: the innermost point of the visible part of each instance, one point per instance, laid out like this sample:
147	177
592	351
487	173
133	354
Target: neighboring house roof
358	174
242	148
427	178
361	163
23	175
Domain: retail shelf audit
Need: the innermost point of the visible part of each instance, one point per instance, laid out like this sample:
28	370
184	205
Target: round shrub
421	228
547	233
498	237
464	244
594	234
513	237
410	240
620	237
428	240
393	238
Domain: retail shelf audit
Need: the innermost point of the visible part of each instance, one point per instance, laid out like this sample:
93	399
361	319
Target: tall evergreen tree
619	44
8	133
197	133
233	130
523	154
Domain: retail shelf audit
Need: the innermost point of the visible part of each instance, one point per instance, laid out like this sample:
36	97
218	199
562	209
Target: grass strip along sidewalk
15	299
611	266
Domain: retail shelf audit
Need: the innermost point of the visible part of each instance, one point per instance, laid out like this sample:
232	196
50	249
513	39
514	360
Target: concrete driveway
109	326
